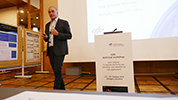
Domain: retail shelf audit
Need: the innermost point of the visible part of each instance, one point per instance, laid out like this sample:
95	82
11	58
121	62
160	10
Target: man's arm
66	34
46	37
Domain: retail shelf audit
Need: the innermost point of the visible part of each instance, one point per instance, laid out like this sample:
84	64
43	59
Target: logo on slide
98	30
116	44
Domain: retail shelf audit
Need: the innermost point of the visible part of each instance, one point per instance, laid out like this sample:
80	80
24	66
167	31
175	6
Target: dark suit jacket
60	41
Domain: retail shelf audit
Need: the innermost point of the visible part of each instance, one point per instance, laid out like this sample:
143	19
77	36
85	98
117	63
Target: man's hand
55	32
45	36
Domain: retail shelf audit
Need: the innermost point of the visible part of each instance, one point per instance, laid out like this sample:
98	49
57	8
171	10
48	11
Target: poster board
32	47
18	51
114	63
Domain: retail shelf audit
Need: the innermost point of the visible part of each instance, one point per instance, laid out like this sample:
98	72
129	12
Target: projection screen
153	24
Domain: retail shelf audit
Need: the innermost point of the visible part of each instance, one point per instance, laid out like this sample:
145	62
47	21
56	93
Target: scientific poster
8	42
32	47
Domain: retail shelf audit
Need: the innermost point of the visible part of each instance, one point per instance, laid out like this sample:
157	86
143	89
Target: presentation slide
153	25
8	43
143	18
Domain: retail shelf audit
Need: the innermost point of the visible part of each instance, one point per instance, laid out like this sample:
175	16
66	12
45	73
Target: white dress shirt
51	27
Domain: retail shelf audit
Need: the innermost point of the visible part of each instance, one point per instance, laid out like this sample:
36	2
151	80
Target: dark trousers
56	63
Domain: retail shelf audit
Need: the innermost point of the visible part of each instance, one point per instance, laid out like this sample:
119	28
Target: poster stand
42	66
23	66
22	54
31	42
23	76
4	71
11	50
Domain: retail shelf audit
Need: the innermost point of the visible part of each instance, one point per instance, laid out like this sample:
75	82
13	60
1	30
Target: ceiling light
35	29
36	17
21	20
34	24
21	11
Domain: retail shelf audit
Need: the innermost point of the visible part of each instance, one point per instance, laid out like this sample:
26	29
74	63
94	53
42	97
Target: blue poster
8	42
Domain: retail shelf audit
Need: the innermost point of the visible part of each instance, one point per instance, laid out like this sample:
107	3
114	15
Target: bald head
53	13
53	7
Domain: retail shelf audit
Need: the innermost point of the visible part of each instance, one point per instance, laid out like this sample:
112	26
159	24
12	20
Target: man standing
57	31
